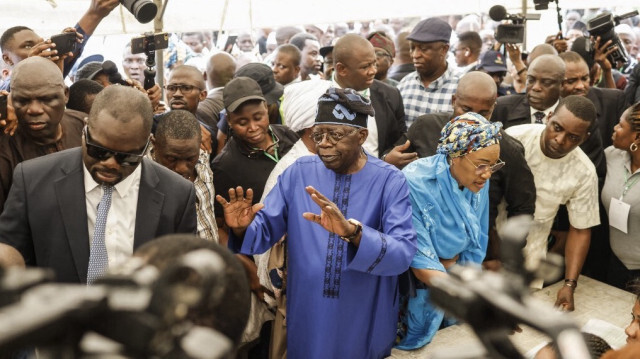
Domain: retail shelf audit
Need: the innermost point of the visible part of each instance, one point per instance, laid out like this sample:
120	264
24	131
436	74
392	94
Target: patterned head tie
468	133
343	107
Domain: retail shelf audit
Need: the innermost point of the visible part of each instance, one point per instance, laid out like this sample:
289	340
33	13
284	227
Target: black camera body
149	43
603	26
65	42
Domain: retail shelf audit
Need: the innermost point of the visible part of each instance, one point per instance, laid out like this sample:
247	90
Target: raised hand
238	211
330	217
10	123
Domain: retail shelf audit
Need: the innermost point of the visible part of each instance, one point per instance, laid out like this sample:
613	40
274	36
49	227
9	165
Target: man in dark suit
106	188
355	67
609	103
544	83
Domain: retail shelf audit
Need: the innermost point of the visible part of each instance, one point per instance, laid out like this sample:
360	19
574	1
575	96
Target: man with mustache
38	98
347	217
83	210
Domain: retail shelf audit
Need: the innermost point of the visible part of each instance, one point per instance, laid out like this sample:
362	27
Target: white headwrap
300	103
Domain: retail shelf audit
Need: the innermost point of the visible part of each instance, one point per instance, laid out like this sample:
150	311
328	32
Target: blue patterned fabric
98	257
342	300
468	133
449	222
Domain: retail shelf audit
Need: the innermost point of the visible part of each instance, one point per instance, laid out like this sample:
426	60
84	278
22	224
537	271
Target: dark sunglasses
102	154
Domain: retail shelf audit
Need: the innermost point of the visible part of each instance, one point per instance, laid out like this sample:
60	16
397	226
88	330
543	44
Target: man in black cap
493	64
430	87
335	265
255	145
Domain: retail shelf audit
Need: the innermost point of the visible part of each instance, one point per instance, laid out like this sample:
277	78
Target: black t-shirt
235	166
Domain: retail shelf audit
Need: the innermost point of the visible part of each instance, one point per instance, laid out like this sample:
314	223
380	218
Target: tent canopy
51	16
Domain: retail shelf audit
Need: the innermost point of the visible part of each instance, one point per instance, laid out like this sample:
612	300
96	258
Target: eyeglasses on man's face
102	154
332	136
184	88
483	168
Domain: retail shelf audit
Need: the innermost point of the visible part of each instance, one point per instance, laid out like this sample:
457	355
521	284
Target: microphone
110	68
498	13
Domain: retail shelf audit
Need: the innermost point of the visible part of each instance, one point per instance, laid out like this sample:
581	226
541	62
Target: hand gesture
398	158
515	55
238	212
565	299
601	53
11	122
330	217
559	43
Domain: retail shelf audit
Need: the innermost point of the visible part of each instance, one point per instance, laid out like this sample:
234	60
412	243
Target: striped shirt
205	199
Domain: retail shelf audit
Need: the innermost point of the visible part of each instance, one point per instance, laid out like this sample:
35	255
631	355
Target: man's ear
7	60
453	100
66	94
203	95
363	134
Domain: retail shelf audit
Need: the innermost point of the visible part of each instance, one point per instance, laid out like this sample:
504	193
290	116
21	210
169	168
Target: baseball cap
430	30
263	75
381	41
89	70
492	61
324	51
240	90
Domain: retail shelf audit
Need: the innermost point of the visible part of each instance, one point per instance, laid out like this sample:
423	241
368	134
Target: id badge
619	214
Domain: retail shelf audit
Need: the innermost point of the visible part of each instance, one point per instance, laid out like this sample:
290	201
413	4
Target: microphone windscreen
498	13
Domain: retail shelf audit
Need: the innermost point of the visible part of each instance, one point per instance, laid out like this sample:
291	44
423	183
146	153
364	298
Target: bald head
475	83
346	45
542	49
476	92
220	69
37	68
551	63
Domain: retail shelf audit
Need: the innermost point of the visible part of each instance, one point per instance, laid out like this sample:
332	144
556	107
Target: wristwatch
355	234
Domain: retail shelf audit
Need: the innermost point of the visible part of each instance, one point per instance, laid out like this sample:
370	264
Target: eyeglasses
483	168
182	87
102	154
332	137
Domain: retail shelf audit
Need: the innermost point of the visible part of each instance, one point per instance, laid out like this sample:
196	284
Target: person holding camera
20	42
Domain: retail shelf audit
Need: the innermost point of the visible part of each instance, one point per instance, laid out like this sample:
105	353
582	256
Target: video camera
137	312
494	303
510	33
603	25
149	43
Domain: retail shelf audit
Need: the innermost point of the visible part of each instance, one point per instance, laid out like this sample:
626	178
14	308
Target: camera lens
143	10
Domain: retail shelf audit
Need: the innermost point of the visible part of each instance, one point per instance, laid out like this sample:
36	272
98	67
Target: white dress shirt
121	219
547	113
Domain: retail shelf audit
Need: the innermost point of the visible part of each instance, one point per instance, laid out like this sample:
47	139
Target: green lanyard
275	157
627	185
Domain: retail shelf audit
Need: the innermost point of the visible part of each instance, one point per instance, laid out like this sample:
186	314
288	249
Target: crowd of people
345	165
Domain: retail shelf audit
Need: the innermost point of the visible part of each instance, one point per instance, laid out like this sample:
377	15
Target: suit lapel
521	111
377	102
149	205
73	209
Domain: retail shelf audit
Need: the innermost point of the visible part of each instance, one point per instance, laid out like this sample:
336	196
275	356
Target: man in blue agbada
449	194
342	284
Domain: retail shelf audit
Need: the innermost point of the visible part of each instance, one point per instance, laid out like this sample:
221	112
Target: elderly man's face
245	43
114	135
339	155
39	101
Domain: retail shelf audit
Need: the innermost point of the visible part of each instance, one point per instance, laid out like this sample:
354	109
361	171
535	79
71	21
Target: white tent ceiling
51	16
